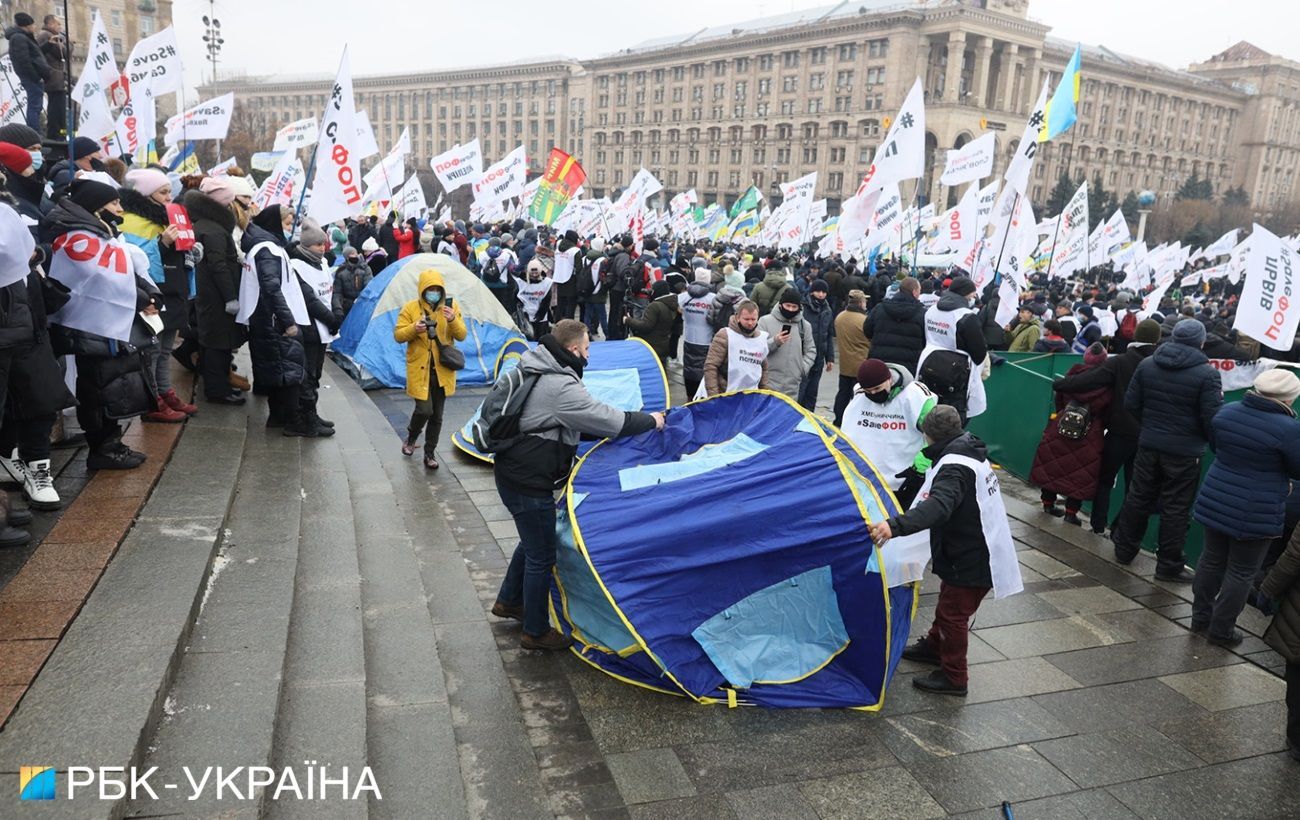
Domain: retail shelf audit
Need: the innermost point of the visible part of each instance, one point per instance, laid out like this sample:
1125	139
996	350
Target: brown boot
514	613
239	382
549	642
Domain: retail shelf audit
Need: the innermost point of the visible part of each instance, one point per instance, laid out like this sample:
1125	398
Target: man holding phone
791	349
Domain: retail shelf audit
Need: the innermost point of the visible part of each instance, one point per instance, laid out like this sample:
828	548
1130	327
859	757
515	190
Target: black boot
301	426
10	536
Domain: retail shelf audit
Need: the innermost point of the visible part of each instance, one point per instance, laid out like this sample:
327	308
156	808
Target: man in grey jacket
791	347
556	414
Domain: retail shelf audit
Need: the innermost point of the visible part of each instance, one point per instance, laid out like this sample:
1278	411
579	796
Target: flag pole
997	266
307	178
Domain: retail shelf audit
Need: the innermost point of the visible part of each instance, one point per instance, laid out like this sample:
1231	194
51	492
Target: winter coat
316	309
951	513
788	363
349	280
278	360
55	57
142	225
1282	584
1256	445
1051	344
406	241
769	290
656	325
557	413
36	385
217	275
1174	396
421	351
1116	372
29	63
896	329
29	199
377	261
821	317
1023	337
1071	467
388	238
715	362
854	346
526	248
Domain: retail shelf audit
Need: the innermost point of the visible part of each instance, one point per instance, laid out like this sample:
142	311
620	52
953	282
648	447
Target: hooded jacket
951	514
421	351
1174	396
217	274
556	414
656	325
788	363
29	63
852	345
767	291
1256	444
349	280
821	318
896	330
1116	373
278	360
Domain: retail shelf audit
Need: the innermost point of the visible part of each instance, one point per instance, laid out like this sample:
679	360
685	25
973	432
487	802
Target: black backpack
497	427
1074	421
947	374
491	273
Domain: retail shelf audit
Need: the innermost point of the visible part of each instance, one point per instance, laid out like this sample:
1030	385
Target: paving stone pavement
1088	698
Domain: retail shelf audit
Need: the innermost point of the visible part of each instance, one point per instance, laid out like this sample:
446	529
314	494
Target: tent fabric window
706	459
780	634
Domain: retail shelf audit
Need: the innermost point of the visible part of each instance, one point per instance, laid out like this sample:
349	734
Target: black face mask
110	218
97	165
789	314
880	396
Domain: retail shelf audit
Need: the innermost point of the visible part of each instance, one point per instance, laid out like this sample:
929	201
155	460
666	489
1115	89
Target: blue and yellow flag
1061	110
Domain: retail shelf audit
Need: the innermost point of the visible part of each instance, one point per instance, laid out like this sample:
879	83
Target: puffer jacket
821	318
1023	337
25	54
1117	373
556	414
769	290
349	280
788	363
1282	584
1174	395
951	513
896	329
655	326
420	349
1256	445
217	275
278	360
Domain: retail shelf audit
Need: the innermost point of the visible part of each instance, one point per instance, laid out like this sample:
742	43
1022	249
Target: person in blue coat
1242	503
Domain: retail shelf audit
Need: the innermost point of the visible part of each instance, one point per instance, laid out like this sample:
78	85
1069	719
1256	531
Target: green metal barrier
1019	406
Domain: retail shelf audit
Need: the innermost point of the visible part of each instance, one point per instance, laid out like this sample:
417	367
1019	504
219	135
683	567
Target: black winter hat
83	147
15	133
22	19
92	194
962	286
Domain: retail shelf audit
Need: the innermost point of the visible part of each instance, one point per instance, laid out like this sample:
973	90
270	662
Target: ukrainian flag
745	224
1061	110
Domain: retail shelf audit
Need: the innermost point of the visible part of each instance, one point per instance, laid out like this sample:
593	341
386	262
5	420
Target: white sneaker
14	467
38	485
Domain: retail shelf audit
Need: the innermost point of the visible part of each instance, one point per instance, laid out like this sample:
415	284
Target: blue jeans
35	98
594	315
528	578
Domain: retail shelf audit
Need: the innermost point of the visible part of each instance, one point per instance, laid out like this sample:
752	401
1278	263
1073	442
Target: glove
921	464
232	307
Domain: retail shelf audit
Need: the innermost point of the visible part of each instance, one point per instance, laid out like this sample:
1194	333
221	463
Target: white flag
284	183
409	201
138	121
96	120
13	97
16	246
1017	175
101	56
206	121
1237	262
972	161
156	60
297	134
1191	280
1268	310
100	275
222	168
1221	246
902	154
503	180
459	166
367	146
380	179
643	186
336	190
1070	245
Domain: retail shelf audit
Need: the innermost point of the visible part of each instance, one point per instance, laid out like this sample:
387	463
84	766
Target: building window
787	107
719	90
816	82
878	48
817	56
790	59
760	110
712	179
844	79
810	154
715	156
834	181
844	104
742	89
783	156
115	17
790	84
837	154
736	157
848	51
146	25
815	105
765	62
764	86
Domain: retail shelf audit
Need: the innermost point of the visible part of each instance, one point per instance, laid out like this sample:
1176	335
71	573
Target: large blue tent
728	559
365	346
626	374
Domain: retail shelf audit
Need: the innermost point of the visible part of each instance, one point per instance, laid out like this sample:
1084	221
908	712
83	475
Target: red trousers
951	630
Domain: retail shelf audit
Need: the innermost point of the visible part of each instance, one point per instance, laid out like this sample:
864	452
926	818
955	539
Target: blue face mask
288	235
38	159
433	297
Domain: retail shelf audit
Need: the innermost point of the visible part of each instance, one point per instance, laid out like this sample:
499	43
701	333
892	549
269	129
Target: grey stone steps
100	697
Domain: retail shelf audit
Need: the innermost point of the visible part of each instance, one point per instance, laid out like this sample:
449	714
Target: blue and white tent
728	559
365	346
626	374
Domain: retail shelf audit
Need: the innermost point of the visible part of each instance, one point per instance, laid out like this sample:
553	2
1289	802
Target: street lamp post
1145	200
213	41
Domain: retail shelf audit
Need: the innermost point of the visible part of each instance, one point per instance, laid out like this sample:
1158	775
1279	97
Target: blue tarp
747	578
366	348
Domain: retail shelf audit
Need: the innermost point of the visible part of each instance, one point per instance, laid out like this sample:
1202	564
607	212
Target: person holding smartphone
425	325
791	348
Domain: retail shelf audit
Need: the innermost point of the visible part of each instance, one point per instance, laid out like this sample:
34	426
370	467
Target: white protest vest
564	266
321	281
1105	318
531	294
941	334
745	358
928	300
250	291
696	329
1003	566
887	434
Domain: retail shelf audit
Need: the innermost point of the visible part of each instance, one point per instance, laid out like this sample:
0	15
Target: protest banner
459	166
1268	310
297	134
99	274
206	121
972	161
157	60
503	179
336	186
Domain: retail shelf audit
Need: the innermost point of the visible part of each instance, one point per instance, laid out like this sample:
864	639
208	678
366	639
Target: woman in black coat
217	288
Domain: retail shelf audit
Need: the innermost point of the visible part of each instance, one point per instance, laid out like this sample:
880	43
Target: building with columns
770	100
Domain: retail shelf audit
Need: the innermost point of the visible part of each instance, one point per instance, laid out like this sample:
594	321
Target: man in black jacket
960	546
896	327
1121	443
29	64
54	46
1174	396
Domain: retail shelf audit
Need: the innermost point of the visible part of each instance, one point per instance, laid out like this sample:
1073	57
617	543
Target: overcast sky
388	36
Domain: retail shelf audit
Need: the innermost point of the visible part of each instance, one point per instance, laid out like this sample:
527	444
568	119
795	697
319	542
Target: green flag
747	202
